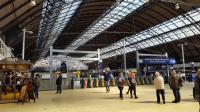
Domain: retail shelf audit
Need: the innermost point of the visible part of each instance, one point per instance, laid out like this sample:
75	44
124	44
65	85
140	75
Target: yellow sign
78	73
23	93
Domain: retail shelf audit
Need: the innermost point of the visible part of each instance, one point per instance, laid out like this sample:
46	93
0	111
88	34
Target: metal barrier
4	50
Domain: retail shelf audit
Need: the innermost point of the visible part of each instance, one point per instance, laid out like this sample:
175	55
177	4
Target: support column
50	67
98	55
166	54
125	57
183	57
137	63
23	44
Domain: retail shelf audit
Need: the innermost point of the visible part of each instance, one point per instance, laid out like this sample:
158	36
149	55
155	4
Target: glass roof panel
116	13
174	29
56	22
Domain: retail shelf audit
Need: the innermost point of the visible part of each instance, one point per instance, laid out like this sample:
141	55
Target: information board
162	61
45	76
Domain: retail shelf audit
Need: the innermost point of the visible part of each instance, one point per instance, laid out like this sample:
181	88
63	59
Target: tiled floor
96	100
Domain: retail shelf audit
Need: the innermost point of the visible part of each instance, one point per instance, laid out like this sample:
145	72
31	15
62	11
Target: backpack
180	81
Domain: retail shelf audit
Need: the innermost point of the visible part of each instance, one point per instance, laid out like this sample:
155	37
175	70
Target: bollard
102	83
84	83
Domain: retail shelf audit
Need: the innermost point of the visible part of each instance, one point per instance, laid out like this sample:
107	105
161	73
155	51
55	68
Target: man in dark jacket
59	83
175	83
7	84
36	85
197	88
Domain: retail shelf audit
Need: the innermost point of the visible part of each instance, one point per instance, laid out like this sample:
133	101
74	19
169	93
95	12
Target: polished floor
96	100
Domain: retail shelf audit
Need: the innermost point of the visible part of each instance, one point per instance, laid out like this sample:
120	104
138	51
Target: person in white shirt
160	87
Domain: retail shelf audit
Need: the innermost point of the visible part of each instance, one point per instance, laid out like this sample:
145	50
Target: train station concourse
99	55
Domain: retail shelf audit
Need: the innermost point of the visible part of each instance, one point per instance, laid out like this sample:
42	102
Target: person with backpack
175	83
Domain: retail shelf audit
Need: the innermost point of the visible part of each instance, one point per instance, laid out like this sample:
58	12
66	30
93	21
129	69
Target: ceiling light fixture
177	6
33	3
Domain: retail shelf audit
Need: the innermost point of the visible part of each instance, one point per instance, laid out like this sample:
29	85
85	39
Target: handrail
4	50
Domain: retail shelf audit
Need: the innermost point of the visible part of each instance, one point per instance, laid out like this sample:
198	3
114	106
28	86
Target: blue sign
161	61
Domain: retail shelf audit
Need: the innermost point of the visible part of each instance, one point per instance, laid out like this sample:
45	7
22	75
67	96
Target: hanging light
33	3
177	6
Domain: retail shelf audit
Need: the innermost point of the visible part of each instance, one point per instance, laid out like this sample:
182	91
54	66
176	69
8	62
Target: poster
64	75
46	76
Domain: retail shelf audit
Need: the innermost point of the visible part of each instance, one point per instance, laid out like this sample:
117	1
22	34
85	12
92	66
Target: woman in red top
132	83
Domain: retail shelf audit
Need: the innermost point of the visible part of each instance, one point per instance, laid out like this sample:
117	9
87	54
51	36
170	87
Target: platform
97	100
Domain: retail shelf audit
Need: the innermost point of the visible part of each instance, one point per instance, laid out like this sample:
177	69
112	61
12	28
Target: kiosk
147	64
12	68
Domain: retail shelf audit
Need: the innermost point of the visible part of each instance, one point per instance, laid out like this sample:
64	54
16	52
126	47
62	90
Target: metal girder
72	51
16	20
85	59
153	55
33	19
7	3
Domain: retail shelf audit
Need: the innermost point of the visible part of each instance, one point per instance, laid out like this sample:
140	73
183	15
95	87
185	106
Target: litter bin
91	83
112	82
102	83
84	83
81	82
96	83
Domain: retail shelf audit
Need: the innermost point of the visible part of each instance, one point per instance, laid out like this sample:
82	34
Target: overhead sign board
162	61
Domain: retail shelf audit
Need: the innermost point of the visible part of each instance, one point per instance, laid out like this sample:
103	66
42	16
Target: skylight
56	15
180	27
115	14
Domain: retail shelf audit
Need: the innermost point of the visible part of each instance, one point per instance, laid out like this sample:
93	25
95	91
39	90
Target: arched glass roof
55	16
180	27
115	14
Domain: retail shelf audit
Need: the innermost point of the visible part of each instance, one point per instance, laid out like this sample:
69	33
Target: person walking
120	83
160	88
36	85
132	83
129	85
107	77
59	83
175	83
197	87
7	84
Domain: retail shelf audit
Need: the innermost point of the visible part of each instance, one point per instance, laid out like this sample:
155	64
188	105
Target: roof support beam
13	11
72	51
7	3
16	19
